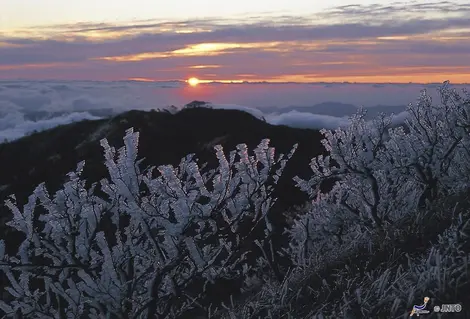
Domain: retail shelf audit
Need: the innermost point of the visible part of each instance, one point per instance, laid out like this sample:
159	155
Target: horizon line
202	82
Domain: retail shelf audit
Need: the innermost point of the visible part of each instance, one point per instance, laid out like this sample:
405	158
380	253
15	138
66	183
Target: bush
139	246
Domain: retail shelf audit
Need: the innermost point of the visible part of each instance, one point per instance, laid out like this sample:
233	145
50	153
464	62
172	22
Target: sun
193	81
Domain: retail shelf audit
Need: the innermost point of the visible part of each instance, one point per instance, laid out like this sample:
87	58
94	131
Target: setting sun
193	81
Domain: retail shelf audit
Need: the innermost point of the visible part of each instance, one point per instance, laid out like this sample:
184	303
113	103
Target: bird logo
420	309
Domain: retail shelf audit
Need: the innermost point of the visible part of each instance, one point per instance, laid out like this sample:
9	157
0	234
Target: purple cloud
351	40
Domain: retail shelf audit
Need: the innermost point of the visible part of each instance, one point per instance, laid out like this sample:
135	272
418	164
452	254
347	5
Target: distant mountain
45	115
41	115
339	109
326	108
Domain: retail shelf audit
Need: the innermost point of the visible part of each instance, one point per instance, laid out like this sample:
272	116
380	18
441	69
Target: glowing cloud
204	66
420	41
201	49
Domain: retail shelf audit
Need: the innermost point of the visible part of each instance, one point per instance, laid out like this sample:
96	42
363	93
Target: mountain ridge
47	156
339	109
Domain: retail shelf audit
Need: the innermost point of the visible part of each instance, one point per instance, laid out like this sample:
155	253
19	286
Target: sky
274	41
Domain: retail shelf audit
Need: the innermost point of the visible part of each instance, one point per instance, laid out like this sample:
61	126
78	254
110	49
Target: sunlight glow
193	81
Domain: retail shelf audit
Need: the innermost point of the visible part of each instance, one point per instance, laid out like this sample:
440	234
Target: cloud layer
26	106
417	42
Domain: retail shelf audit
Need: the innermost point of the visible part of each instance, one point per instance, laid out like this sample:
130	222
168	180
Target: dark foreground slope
164	139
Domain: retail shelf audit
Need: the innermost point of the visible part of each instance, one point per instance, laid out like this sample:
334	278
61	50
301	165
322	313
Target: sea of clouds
27	106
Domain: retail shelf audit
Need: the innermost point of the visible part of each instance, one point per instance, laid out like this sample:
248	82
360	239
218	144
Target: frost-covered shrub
356	282
140	244
354	251
383	173
436	150
390	290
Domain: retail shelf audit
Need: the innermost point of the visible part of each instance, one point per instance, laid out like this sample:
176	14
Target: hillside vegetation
386	223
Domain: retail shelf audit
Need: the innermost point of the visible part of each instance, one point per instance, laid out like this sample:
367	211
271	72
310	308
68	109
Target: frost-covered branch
151	246
382	173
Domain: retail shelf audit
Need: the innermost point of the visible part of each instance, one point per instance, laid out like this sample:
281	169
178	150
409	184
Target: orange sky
420	42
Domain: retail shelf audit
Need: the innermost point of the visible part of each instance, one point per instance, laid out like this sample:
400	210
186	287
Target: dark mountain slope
164	139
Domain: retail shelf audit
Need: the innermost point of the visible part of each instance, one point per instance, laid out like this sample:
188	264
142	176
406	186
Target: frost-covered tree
435	152
382	173
141	244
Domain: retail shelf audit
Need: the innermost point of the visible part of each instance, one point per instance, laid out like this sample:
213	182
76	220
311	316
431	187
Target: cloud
400	117
26	106
426	16
403	42
306	120
250	110
292	118
14	126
